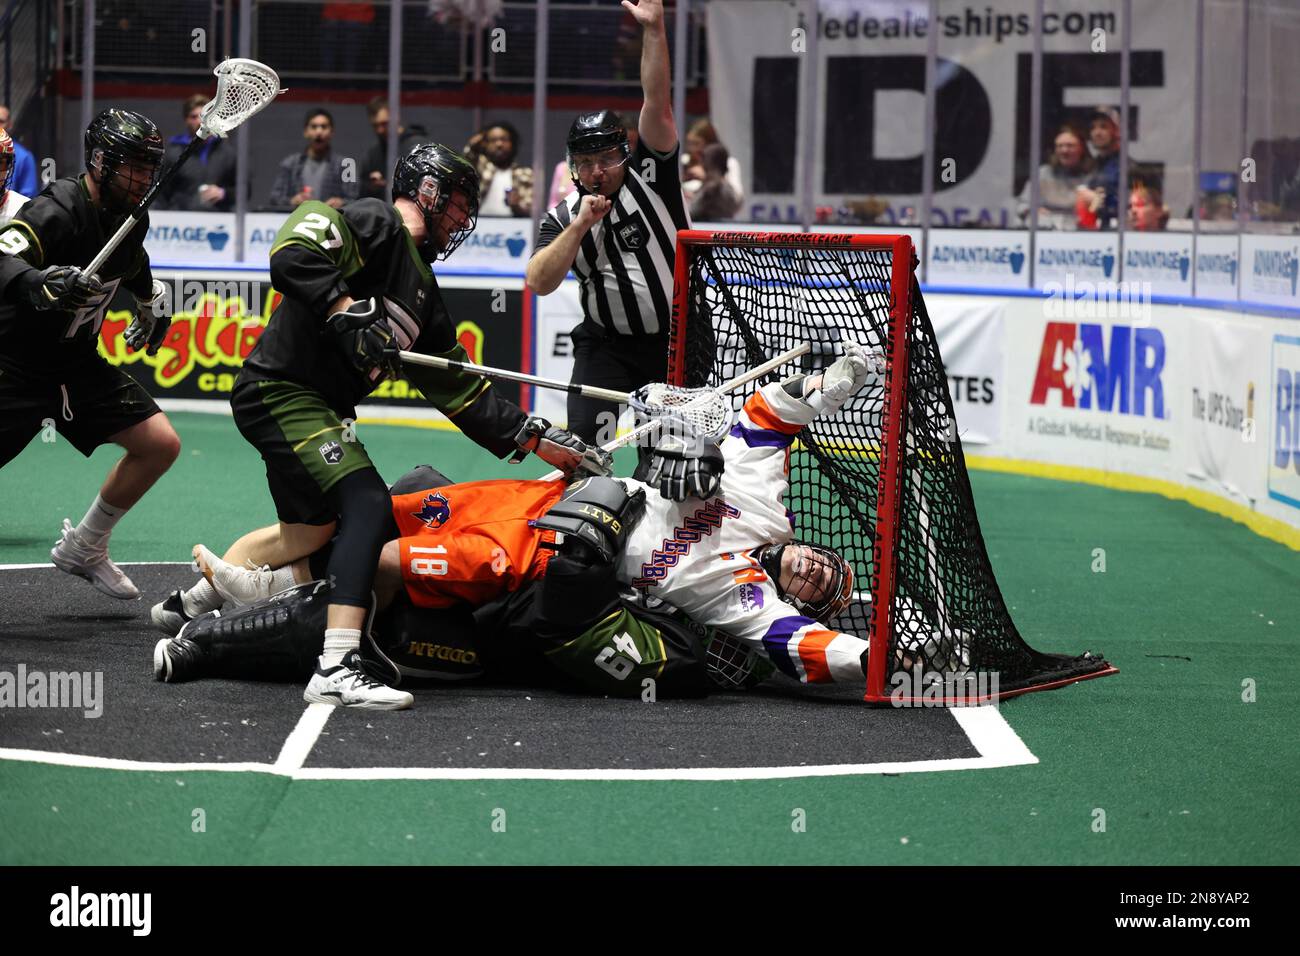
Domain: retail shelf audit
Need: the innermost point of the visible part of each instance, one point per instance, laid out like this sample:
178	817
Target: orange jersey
473	542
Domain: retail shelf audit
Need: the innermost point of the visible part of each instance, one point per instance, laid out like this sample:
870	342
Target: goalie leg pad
599	512
276	639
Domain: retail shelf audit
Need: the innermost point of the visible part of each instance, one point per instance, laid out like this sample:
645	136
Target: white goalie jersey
699	555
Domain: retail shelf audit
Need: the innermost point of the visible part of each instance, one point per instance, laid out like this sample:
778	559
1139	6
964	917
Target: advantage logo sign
1160	262
978	258
1284	440
1081	256
1270	270
182	237
1218	267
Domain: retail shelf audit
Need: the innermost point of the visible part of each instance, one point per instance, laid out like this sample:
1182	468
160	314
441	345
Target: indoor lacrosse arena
672	432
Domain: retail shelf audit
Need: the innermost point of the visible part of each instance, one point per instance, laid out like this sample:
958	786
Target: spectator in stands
1146	208
207	181
316	172
375	169
506	186
714	200
700	135
346	36
25	180
1101	194
562	183
1068	168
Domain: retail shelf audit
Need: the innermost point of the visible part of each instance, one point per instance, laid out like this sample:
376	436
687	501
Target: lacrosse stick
243	88
704	411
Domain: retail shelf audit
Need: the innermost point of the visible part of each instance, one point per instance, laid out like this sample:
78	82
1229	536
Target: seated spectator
714	200
206	183
374	168
562	178
505	186
1068	168
24	180
700	135
1101	194
316	172
1146	208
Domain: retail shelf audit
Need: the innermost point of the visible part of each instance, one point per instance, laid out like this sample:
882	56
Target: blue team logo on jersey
435	512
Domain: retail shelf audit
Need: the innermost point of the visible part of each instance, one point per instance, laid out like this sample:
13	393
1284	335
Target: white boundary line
988	731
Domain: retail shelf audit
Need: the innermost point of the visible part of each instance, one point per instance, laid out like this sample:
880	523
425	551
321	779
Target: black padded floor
51	622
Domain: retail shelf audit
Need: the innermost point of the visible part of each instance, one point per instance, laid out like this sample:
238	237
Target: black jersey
61	227
364	250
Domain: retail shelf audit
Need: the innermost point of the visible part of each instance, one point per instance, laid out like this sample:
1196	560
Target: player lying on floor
575	626
715	542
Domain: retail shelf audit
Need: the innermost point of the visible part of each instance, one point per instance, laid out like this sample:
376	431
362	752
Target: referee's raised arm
657	126
617	233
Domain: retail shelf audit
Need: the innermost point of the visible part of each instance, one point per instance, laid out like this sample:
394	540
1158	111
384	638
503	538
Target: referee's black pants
622	362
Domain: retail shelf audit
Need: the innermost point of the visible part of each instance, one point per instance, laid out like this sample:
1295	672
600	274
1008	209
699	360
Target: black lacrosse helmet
827	600
595	133
429	175
120	139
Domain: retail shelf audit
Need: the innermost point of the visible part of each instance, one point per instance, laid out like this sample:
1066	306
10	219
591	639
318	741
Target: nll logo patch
631	233
332	452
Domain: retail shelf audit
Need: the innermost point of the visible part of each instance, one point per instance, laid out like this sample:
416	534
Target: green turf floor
1189	606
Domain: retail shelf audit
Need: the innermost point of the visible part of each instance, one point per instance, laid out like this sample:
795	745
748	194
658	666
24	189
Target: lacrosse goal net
883	481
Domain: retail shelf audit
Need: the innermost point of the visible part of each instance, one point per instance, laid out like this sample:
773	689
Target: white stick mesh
243	88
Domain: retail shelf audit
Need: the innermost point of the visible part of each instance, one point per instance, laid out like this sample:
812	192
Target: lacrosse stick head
243	88
702	413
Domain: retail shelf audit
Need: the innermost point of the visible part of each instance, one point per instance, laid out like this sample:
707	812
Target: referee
618	234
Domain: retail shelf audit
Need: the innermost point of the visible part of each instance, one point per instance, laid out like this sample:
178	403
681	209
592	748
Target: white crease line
304	736
993	737
507	773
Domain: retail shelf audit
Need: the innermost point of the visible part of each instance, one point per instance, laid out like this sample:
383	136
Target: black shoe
177	659
169	616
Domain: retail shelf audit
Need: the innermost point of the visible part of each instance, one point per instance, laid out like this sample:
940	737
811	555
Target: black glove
561	448
366	339
66	288
685	468
151	324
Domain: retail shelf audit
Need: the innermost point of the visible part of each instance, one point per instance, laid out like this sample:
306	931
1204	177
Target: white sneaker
238	586
347	685
74	556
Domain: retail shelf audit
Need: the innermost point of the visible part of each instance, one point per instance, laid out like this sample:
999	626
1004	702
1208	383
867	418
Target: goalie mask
816	580
445	187
124	153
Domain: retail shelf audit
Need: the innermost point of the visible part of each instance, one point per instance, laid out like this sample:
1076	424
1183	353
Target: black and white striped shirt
625	263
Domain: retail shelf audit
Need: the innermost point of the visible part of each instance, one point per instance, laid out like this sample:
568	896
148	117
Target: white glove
844	378
151	322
